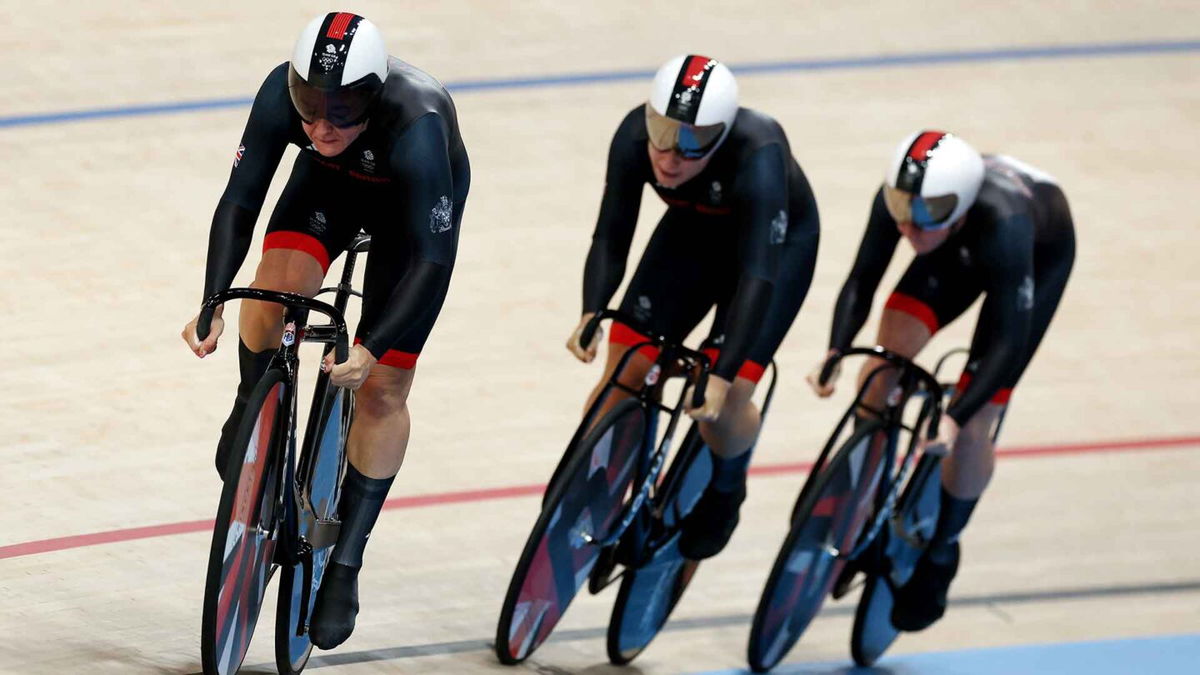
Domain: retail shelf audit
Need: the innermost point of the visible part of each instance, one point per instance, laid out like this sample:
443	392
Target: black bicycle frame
669	357
289	492
913	380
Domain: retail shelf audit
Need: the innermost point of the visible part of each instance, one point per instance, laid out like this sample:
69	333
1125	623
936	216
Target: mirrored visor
345	106
690	141
927	213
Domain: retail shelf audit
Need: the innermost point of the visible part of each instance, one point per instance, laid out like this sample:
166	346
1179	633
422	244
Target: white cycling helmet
337	70
933	179
693	104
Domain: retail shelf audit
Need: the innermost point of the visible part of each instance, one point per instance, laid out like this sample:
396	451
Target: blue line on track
742	69
1163	655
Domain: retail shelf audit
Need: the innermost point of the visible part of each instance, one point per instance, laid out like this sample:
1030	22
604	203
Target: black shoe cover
922	601
709	526
336	607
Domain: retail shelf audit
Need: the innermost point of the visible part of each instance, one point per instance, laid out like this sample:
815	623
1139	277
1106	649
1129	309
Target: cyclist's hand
814	377
714	399
209	344
946	438
354	371
585	354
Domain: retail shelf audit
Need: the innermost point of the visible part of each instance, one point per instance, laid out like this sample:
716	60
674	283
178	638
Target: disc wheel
917	517
320	470
827	523
584	506
649	593
240	561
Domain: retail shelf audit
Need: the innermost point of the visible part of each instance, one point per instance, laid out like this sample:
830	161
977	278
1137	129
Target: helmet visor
344	106
927	213
689	140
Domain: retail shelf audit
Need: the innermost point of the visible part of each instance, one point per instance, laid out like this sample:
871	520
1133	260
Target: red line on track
489	494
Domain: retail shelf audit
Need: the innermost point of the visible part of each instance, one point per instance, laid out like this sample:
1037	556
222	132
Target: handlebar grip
204	323
589	331
827	369
698	391
341	350
933	424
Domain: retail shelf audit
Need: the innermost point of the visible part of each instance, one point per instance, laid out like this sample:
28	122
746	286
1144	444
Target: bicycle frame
292	496
669	356
913	381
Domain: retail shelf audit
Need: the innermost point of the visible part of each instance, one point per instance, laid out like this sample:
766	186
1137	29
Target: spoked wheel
244	533
318	476
650	592
918	513
584	507
828	522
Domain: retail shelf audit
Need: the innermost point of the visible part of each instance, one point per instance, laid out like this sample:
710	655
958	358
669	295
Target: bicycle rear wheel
650	592
827	523
320	469
240	561
585	505
917	518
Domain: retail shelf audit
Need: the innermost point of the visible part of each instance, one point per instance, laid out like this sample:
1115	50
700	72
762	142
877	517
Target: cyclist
379	149
740	232
988	225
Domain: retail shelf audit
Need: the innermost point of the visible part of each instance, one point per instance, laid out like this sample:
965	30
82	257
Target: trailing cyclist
980	225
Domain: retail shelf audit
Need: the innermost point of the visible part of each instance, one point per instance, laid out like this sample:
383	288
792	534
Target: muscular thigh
317	214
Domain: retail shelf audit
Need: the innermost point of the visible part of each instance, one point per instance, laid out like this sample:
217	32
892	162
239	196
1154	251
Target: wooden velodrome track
110	422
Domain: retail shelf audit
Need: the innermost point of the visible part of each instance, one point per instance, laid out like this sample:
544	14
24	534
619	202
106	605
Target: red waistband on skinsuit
750	370
1000	398
298	241
396	358
914	308
622	334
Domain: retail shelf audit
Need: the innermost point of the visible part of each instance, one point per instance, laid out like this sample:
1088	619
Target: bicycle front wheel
650	592
827	525
244	533
320	469
584	506
915	521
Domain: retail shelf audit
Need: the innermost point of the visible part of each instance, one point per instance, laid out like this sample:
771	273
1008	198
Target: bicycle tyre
240	567
804	570
917	509
556	561
650	592
322	461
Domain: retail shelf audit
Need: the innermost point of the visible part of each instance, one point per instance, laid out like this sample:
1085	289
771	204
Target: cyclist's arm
762	195
627	164
425	205
874	253
263	142
1007	260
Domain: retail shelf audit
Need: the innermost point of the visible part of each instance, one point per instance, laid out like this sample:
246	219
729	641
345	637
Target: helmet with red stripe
337	70
693	104
932	180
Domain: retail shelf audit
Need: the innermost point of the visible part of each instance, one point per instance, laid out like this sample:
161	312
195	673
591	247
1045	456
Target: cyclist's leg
967	471
730	438
306	232
378	437
732	434
935	289
671	291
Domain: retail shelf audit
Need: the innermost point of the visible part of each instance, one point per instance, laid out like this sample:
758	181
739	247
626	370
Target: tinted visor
927	213
344	106
690	141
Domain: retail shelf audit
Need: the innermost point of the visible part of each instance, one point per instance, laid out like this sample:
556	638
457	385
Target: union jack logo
237	156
